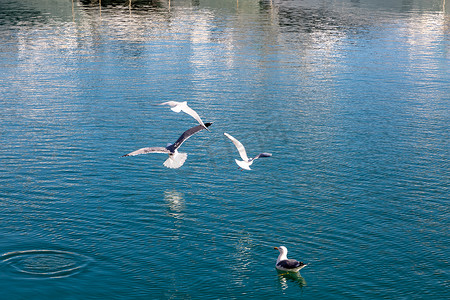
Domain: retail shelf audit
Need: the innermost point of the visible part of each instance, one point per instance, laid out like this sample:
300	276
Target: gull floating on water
246	162
176	159
182	106
285	264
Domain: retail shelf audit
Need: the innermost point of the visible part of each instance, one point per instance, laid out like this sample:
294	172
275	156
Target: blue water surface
351	98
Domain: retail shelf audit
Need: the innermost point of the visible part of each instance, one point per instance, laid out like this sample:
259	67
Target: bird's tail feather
243	164
175	160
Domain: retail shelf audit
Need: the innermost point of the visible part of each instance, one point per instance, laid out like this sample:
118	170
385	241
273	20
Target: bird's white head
283	253
282	249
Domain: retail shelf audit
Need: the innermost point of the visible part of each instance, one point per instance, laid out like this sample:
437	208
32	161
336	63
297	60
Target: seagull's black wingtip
207	125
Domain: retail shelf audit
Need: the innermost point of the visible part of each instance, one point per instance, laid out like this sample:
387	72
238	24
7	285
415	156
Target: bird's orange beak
276	248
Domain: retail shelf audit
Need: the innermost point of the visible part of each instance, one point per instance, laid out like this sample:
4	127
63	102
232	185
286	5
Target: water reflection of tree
134	3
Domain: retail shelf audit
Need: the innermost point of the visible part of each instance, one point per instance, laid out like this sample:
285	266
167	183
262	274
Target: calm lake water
351	97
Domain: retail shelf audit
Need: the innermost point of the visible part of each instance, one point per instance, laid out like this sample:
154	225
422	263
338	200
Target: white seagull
285	264
246	162
176	159
182	106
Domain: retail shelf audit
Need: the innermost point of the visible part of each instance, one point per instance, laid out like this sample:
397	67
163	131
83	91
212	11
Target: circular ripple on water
45	263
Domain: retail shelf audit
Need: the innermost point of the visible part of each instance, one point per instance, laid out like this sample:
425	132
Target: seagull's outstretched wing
263	155
290	264
239	147
192	113
182	106
174	105
187	134
148	150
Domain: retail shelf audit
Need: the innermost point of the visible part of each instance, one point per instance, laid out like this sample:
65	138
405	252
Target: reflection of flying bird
176	159
246	162
182	106
285	264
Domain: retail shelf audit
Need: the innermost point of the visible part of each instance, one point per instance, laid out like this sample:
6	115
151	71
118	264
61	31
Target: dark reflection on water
133	3
350	97
289	278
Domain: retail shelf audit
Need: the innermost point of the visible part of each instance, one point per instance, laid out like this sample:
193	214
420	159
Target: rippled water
350	97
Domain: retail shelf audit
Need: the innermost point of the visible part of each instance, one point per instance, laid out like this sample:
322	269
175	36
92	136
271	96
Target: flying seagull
176	159
285	264
182	106
246	162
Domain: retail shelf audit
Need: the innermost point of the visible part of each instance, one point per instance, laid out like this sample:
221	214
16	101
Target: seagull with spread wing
246	162
182	106
176	159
